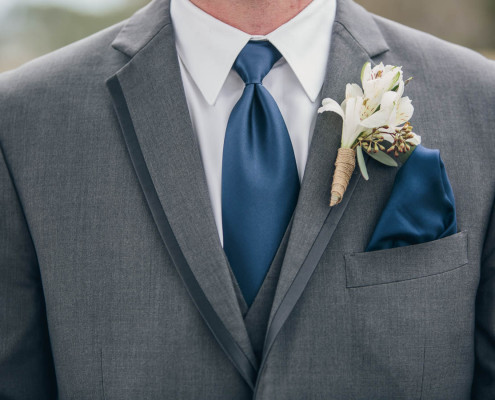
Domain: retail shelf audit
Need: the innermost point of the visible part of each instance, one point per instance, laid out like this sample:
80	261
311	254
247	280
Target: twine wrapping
344	167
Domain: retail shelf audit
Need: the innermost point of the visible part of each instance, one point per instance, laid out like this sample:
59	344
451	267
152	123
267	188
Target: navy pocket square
421	207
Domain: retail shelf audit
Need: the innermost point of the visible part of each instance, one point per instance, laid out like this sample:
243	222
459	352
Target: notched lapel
314	221
151	106
152	110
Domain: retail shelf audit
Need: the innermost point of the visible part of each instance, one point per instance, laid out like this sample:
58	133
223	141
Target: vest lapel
151	107
256	316
267	284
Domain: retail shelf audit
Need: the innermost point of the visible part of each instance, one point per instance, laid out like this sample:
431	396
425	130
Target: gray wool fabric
92	305
256	316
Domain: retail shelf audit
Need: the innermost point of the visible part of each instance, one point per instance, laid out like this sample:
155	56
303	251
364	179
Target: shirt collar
208	47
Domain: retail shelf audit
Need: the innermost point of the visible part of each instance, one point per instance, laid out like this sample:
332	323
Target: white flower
395	111
371	114
376	82
398	108
350	111
383	87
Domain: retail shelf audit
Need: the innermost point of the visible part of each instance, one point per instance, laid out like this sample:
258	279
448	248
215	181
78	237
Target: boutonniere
375	120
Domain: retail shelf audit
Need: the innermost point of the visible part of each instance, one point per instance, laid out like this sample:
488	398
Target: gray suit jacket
113	282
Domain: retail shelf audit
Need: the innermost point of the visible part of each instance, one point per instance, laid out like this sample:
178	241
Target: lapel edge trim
224	338
304	274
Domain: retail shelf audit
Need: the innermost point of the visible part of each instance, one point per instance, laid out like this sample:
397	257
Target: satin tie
260	183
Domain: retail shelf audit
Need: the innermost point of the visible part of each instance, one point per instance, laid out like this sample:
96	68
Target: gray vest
256	316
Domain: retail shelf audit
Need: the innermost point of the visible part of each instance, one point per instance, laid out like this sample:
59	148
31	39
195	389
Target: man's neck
255	17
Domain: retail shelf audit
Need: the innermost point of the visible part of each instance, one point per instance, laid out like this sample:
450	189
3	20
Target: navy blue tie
260	183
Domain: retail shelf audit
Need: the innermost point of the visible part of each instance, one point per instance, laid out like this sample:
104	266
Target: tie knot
255	60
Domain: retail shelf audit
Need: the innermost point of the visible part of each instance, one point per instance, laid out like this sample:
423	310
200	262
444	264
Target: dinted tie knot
255	60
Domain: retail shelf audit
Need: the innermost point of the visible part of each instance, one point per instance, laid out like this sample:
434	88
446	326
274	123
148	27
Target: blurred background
30	28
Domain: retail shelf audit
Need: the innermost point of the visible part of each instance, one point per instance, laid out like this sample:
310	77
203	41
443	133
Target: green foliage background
29	31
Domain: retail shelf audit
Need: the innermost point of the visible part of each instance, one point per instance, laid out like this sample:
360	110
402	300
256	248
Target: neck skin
255	17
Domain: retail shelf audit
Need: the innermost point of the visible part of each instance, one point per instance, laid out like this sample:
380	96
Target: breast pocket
407	262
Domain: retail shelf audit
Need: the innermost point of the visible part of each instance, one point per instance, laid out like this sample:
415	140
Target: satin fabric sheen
260	182
421	207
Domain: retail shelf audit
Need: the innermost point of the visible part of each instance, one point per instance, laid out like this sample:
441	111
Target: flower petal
414	140
387	136
388	101
376	120
353	90
394	77
351	127
404	111
366	73
385	114
331	105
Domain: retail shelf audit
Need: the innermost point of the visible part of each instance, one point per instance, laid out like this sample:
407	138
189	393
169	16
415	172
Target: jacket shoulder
71	64
59	83
439	55
445	71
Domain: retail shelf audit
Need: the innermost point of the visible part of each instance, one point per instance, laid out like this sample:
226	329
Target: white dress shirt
207	49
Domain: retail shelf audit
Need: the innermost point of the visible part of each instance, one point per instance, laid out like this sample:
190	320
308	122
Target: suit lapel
151	107
152	110
355	40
